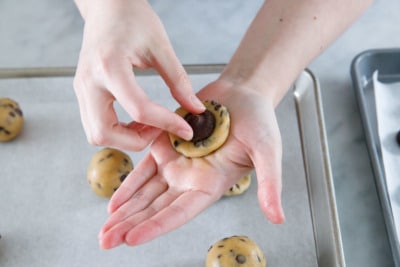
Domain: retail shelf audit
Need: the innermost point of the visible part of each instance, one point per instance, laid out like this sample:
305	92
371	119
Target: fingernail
109	244
197	102
185	134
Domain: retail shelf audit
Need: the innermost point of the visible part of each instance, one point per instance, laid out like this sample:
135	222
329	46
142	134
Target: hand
166	189
117	36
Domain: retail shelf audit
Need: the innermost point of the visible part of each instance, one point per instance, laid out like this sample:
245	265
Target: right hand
118	36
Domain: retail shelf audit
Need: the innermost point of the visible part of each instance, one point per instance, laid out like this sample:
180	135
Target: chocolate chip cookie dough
11	119
235	251
107	170
210	130
240	187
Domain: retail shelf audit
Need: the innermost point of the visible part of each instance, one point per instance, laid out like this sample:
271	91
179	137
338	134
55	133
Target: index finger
174	74
122	83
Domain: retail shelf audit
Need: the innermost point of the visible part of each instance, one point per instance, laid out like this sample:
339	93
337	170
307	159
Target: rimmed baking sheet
387	63
50	217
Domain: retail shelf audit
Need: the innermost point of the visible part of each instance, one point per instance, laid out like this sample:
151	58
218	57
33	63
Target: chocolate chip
398	138
240	259
12	114
176	143
123	176
205	142
7	132
19	111
202	124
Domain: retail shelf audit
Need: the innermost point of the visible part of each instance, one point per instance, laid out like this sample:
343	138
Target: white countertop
48	33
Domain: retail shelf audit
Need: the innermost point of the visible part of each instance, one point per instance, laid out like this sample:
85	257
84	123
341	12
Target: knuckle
138	112
100	62
181	85
181	78
105	61
84	79
137	145
139	116
97	138
140	196
140	145
80	79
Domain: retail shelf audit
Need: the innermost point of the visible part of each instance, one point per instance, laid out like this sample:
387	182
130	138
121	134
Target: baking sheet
50	217
387	63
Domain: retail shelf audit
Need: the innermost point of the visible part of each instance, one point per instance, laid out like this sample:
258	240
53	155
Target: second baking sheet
387	63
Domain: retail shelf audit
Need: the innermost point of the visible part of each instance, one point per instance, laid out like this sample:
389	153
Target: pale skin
166	190
104	75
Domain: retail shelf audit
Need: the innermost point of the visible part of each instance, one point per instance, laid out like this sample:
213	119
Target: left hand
166	189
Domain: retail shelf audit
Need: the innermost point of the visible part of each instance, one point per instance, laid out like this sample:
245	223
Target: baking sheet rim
334	254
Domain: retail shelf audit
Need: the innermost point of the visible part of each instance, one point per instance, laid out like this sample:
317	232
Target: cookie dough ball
107	170
240	187
210	130
235	251
11	119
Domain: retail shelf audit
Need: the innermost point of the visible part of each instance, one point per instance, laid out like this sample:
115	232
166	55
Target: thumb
269	179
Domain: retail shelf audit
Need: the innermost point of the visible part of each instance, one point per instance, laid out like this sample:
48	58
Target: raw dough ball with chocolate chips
240	187
210	130
235	251
11	119
107	170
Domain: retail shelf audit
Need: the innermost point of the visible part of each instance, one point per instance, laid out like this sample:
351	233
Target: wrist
269	85
84	6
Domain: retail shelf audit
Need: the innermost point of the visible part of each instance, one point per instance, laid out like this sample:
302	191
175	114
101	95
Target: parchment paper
50	217
387	98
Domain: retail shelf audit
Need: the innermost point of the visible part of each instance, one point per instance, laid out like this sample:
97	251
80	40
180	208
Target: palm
167	189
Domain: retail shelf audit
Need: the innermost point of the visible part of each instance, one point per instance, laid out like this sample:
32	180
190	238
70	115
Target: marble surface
49	32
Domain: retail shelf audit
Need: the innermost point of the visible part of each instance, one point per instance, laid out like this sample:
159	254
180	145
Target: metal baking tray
49	216
387	62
